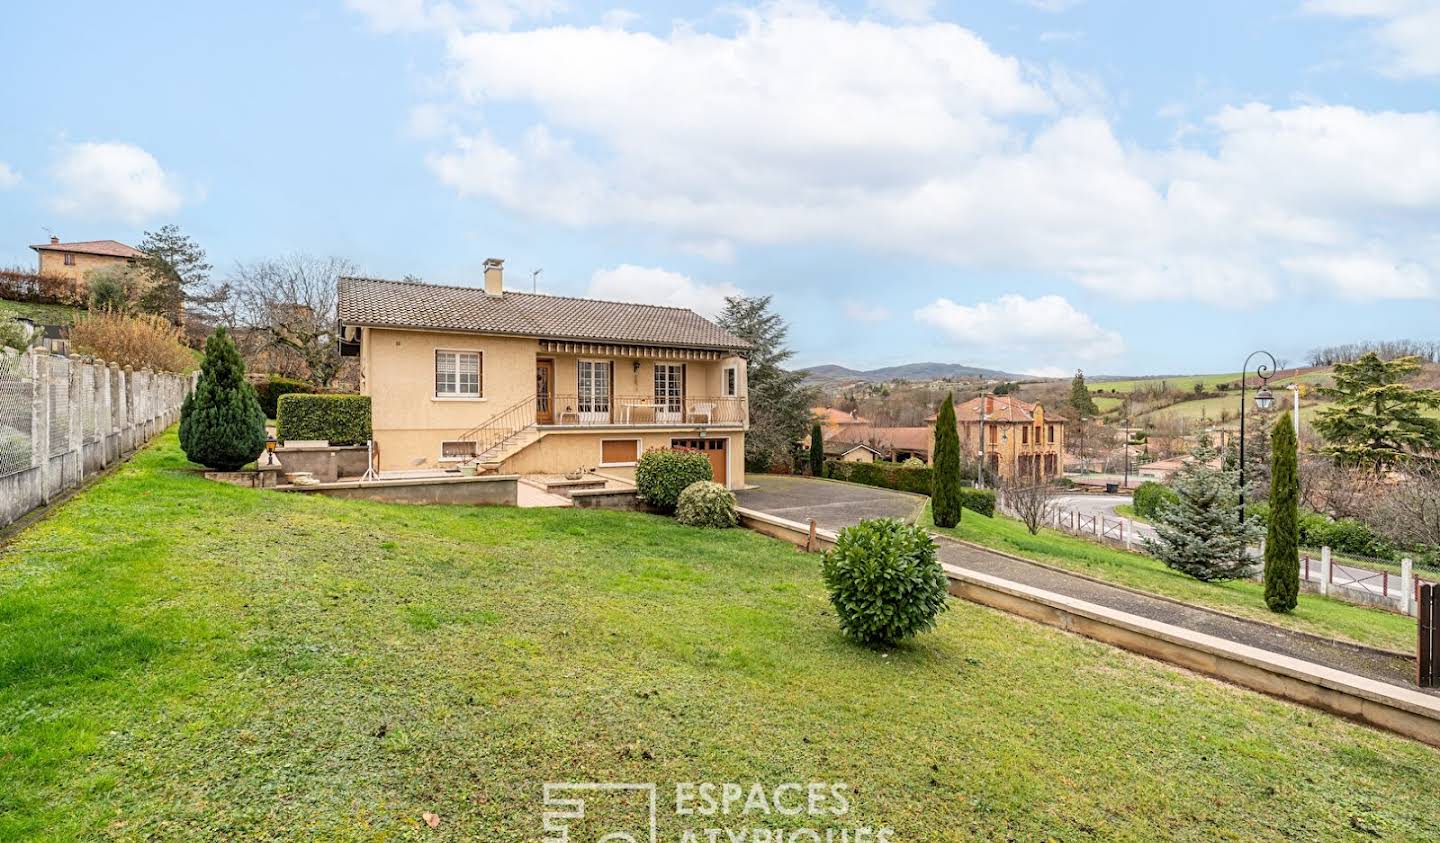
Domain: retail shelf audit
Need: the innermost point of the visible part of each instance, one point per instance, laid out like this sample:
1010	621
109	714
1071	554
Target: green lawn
1316	614
43	314
181	660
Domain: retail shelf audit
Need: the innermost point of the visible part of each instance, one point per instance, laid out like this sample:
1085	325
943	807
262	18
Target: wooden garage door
713	448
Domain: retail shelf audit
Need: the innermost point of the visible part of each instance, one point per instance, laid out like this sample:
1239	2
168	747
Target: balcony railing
644	410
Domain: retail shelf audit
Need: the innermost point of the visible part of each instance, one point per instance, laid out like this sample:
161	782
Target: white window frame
592	415
471	442
639	449
667	412
479	395
729	388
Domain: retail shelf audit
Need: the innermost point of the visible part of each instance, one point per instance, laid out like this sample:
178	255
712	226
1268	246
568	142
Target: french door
592	382
669	393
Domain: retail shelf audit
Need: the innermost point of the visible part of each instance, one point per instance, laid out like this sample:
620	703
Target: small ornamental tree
221	425
1201	534
945	485
884	581
1282	541
817	451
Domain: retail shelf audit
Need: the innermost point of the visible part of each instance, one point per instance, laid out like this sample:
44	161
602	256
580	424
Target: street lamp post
1263	401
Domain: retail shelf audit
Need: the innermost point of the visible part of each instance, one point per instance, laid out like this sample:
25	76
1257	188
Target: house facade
535	384
74	260
1019	439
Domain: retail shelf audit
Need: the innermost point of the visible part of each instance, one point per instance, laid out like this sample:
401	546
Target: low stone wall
489	490
618	500
328	463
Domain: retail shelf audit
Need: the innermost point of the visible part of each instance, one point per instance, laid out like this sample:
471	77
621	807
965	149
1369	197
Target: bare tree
1408	513
1032	500
287	306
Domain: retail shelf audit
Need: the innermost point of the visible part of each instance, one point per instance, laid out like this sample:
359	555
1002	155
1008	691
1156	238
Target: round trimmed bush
707	504
662	474
913	462
884	581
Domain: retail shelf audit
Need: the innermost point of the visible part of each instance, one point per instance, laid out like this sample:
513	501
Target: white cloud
115	181
1054	7
1406	31
8	177
936	146
653	285
1368	276
860	311
1015	326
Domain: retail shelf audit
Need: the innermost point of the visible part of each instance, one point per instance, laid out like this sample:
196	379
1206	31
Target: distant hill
831	373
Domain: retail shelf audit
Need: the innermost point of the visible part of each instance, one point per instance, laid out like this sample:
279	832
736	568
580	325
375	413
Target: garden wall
63	419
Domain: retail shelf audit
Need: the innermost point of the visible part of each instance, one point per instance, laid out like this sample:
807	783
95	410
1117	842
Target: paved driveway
833	505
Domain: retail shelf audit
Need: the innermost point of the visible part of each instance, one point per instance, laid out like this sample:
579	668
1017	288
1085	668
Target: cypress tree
945	491
221	424
817	451
1282	542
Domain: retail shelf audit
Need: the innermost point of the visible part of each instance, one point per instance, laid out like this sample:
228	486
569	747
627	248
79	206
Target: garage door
714	449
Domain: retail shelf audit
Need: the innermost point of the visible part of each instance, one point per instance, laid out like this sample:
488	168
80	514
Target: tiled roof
109	248
1003	408
411	304
903	438
832	416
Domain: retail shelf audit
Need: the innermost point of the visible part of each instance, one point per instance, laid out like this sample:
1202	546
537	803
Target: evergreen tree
779	402
1201	534
817	451
1081	404
177	275
945	485
1377	421
221	424
1282	541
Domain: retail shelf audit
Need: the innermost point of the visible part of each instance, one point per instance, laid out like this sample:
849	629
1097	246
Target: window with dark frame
732	381
69	259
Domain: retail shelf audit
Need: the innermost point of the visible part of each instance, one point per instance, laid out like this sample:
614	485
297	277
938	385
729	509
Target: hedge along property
522	383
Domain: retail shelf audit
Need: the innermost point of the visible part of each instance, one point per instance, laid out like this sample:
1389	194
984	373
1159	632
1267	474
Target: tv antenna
534	282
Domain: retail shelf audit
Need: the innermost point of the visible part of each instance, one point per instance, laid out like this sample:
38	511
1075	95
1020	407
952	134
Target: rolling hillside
831	373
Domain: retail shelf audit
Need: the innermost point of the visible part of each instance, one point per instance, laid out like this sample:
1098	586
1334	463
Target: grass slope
43	314
181	660
1316	614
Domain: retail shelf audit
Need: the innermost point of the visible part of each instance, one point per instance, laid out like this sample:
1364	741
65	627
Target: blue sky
1034	185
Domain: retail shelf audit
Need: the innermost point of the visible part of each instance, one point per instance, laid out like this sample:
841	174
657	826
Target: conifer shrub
221	426
663	473
884	581
945	492
707	504
1282	538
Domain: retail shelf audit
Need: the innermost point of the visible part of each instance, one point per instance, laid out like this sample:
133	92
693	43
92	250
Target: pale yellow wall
397	369
858	455
53	263
561	451
1009	443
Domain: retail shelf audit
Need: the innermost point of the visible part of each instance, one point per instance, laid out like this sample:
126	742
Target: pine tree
1282	541
221	424
779	401
1377	420
945	485
1081	404
817	451
1201	534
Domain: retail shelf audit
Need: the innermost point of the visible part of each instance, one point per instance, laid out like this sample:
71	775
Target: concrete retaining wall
489	490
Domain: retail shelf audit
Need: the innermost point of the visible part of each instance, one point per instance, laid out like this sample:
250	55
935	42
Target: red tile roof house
74	260
1021	439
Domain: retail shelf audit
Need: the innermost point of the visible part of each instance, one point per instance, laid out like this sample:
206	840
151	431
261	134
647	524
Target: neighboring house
74	260
850	452
895	444
833	421
1020	439
535	384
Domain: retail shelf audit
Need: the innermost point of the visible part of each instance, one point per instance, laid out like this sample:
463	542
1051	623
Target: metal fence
64	419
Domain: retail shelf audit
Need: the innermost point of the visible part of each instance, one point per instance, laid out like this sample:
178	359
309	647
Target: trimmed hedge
1148	497
339	419
269	391
903	478
662	474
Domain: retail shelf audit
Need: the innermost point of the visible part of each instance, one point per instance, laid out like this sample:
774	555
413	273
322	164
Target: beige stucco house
536	384
74	260
1019	438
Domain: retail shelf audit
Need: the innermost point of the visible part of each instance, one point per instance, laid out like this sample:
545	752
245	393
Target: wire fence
63	419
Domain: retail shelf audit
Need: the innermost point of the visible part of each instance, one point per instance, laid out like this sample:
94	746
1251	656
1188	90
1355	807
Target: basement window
457	450
619	452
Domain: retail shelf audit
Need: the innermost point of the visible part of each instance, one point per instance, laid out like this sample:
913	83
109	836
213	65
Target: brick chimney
54	240
989	405
494	269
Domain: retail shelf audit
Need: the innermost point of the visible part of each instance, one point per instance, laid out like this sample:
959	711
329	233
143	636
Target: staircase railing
502	426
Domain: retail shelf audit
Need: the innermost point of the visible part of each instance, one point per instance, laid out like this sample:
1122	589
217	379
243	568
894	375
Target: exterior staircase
504	435
491	459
